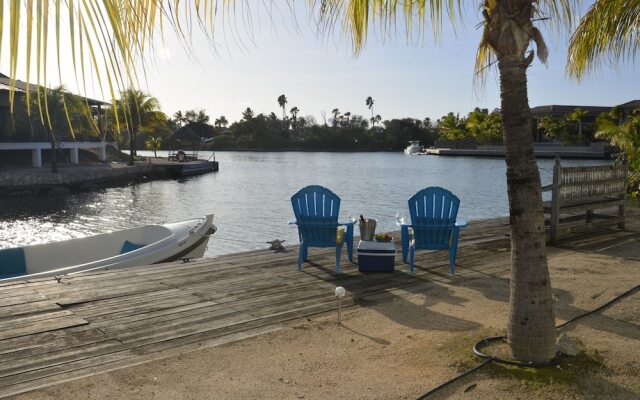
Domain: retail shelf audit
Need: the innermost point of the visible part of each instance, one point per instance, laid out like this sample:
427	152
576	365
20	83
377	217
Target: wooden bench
191	156
576	192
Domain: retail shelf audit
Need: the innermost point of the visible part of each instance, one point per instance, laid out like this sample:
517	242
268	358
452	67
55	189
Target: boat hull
127	248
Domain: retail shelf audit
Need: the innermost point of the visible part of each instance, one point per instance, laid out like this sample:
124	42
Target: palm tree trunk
284	116
531	332
580	130
131	141
54	151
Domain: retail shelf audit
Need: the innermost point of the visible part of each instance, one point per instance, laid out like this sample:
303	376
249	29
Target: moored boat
142	245
413	148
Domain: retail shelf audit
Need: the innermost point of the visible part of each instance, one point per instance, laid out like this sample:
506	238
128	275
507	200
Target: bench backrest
593	183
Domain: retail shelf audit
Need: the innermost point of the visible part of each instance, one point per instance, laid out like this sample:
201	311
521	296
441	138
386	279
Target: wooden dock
178	169
57	330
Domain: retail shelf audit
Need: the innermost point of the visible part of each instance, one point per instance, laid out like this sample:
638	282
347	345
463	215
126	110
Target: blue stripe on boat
12	263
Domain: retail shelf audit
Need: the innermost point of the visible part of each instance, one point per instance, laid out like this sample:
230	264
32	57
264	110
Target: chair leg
452	260
453	249
412	252
349	240
404	231
338	254
301	250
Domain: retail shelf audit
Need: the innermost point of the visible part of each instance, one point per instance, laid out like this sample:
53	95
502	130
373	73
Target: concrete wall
39	179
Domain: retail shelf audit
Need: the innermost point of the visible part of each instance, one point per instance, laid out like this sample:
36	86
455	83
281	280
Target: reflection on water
250	196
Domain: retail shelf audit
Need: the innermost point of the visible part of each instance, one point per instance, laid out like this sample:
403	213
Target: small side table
374	256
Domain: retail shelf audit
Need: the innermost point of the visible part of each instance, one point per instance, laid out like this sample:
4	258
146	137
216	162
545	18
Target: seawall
18	181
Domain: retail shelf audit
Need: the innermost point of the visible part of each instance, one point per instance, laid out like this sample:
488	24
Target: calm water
250	196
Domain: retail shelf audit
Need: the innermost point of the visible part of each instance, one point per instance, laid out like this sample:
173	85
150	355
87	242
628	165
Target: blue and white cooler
374	256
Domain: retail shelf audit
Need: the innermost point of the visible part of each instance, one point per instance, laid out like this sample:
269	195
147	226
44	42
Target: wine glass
352	217
400	218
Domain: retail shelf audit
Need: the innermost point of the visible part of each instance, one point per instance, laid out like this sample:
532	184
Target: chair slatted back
433	216
316	209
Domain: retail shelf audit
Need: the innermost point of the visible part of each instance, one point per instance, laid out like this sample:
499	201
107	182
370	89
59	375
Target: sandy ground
403	348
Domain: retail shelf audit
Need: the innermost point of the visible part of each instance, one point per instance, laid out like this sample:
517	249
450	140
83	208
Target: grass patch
568	373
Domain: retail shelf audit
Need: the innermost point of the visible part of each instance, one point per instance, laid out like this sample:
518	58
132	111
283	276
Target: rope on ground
489	358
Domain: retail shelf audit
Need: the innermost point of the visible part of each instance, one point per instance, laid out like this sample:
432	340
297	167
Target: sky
319	73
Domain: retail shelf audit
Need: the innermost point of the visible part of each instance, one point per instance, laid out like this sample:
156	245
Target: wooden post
621	225
555	202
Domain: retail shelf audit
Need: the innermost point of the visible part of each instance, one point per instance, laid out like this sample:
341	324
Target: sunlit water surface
250	196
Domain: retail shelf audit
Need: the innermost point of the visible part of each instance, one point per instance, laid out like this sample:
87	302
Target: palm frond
357	15
107	39
609	32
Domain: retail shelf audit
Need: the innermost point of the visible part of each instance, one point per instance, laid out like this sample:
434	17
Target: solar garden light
340	293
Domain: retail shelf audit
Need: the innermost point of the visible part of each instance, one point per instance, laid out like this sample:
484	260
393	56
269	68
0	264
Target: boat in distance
413	148
143	245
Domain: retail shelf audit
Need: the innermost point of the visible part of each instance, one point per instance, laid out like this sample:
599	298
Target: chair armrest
346	223
294	222
461	224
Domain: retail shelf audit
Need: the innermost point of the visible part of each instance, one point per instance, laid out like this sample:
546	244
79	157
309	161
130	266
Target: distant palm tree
137	109
375	120
221	122
577	116
154	143
282	101
179	118
551	126
248	114
452	127
294	116
348	115
369	102
335	113
624	133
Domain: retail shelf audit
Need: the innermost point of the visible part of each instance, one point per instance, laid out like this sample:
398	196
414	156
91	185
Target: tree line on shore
138	117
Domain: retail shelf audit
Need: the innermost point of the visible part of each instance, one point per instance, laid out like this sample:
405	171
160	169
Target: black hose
447	383
489	358
486	341
605	305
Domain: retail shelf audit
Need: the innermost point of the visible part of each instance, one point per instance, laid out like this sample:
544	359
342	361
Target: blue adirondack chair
316	210
433	223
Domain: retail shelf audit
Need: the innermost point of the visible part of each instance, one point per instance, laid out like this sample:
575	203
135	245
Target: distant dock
596	151
186	168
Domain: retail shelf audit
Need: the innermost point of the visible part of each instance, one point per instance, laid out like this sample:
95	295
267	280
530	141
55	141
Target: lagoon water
250	196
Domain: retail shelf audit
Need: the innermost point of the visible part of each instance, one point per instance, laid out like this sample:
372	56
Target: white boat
413	148
143	245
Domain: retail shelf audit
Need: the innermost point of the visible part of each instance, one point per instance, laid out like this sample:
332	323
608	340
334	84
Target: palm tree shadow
497	288
418	314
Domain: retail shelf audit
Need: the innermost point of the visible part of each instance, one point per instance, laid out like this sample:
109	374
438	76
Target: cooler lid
372	245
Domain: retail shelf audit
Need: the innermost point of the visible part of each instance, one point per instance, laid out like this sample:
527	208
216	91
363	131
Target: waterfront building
20	137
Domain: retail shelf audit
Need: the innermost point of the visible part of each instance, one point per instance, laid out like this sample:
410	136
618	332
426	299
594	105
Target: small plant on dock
154	143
